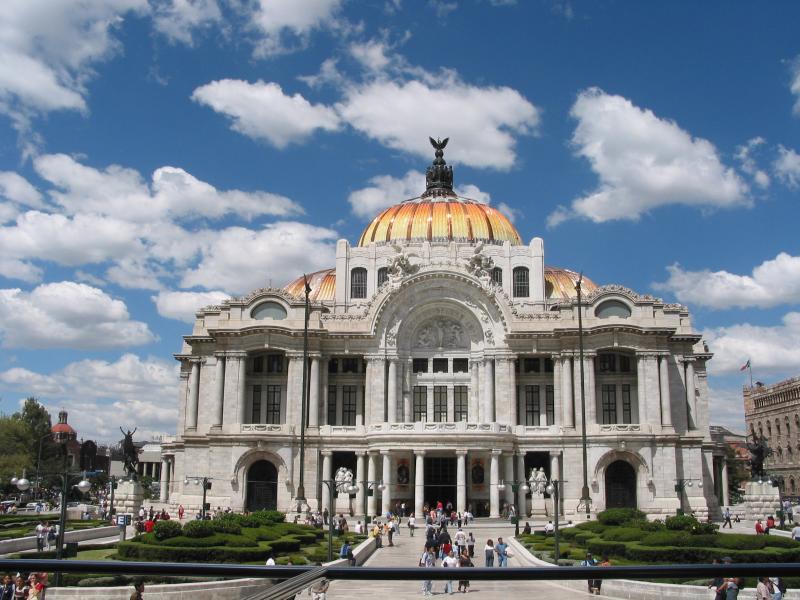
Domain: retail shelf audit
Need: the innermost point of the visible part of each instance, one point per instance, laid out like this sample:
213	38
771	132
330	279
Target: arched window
383	275
497	276
612	308
358	283
521	282
791	485
777	427
268	310
769	429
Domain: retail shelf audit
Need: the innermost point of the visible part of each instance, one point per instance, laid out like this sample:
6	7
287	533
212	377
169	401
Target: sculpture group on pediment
537	481
441	333
343	478
479	264
400	264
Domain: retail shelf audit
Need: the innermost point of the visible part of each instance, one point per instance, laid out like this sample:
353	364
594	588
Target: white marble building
443	361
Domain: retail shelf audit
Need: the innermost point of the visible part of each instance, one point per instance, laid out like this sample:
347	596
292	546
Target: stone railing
204	590
438	427
282	428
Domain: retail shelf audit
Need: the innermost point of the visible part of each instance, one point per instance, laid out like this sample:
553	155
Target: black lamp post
516	486
301	488
206	483
333	487
586	500
552	489
680	489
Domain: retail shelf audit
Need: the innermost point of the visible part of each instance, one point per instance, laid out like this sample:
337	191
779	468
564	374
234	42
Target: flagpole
750	369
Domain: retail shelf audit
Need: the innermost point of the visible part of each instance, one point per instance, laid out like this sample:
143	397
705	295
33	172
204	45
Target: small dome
323	286
559	284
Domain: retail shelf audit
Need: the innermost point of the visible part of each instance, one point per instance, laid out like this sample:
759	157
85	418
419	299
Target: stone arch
638	466
262	486
239	478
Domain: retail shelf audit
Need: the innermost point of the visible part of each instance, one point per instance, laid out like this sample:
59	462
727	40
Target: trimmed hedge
182	541
166	529
198	529
623	534
606	548
135	551
680	523
620	516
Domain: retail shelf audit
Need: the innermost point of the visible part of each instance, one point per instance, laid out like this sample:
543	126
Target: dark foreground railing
402	573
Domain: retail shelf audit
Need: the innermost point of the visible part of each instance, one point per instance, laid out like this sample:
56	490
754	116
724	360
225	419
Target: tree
737	473
15	457
35	418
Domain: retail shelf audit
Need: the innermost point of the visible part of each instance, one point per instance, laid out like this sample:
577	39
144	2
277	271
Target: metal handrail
693	571
289	588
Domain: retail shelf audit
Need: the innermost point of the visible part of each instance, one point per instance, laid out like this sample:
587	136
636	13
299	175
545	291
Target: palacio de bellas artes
449	361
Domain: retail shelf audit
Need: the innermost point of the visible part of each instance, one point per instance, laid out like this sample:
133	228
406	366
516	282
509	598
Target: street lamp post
333	488
516	486
370	485
680	489
206	483
552	489
301	488
586	500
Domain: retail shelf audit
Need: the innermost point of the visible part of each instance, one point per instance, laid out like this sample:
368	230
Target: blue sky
158	155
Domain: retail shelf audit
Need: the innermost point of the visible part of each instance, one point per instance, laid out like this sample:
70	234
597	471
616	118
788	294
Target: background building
773	411
443	361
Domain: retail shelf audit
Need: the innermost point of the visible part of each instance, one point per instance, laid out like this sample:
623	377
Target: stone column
557	382
522	500
407	408
323	376
494	480
566	392
360	480
451	414
386	498
194	395
313	397
474	392
555	473
219	391
666	403
461	480
487	413
726	498
392	392
164	480
241	387
372	501
591	401
327	474
641	387
294	384
419	484
511	394
691	407
508	477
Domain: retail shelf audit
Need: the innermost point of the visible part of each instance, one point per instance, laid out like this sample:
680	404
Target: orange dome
441	219
323	286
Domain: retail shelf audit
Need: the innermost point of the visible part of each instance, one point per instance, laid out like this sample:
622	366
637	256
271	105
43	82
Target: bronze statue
130	454
759	451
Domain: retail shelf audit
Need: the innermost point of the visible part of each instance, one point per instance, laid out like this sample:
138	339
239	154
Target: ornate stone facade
443	368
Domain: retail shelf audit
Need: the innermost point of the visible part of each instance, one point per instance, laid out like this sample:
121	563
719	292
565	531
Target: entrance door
440	480
620	485
262	486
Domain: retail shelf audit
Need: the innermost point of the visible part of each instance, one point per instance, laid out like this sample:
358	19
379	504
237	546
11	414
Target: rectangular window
348	405
383	276
497	276
333	365
516	365
550	404
627	413
548	365
258	364
420	365
420	403
625	364
521	286
606	363
460	365
255	413
440	365
349	365
460	403
532	406
358	283
331	405
439	403
609	403
274	363
531	365
273	404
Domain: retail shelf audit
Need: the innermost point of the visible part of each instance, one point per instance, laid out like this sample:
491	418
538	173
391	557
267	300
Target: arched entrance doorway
262	486
620	485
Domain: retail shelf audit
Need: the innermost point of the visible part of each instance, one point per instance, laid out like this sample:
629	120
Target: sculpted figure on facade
400	265
343	478
537	481
480	265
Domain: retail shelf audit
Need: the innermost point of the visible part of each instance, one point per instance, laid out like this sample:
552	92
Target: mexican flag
746	365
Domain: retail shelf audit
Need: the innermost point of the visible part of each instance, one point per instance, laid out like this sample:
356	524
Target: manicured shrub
705	528
226	527
269	517
583	537
198	529
649	526
681	523
594	526
620	516
774	541
666	538
602	547
148	552
623	534
741	541
167	529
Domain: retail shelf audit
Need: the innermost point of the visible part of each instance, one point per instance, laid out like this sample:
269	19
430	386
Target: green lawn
28	528
97	554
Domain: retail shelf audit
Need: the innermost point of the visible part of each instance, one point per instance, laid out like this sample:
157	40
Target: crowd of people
32	587
727	588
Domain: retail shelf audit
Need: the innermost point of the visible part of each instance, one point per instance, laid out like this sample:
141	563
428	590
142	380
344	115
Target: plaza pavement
406	553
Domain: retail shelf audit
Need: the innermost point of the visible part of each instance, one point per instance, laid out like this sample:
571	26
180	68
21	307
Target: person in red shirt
770	523
148	526
759	527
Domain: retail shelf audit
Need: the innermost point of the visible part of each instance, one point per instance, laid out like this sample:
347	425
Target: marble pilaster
219	391
419	484
494	481
461	480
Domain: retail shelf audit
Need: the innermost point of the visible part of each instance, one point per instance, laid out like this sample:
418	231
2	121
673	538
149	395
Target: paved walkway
406	553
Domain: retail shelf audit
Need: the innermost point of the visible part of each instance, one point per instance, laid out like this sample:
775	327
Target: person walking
471	545
461	541
450	562
717	584
589	561
427	561
40	535
463	562
138	590
727	516
501	548
488	552
412	524
762	589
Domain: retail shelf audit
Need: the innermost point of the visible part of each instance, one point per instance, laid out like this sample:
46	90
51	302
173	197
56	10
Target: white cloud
795	85
134	391
282	23
770	349
644	162
67	315
122	192
262	111
17	189
787	167
512	213
241	260
771	283
482	122
726	407
386	191
371	54
182	306
48	49
745	153
177	20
